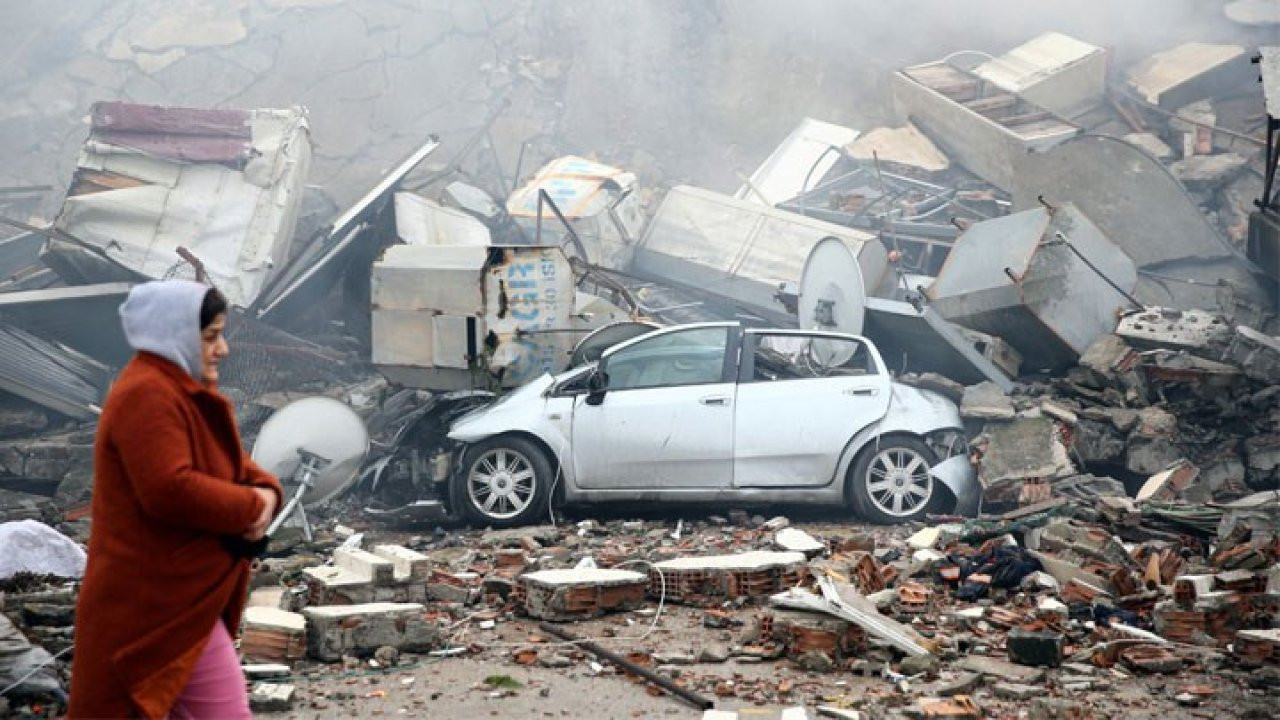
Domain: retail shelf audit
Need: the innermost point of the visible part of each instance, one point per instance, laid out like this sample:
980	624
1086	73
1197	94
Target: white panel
402	337
449	340
446	279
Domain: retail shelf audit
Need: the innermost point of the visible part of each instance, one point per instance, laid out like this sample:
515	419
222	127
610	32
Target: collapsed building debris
1121	537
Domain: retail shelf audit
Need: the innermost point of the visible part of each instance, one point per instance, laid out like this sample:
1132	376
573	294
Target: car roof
727	324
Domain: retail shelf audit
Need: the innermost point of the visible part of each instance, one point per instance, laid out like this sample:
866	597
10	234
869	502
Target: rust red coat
170	479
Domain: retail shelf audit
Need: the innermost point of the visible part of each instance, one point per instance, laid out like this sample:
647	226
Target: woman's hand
258	529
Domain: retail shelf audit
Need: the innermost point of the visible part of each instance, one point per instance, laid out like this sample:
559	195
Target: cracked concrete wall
676	90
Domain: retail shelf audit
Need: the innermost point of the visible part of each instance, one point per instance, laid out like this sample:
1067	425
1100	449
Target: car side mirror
597	383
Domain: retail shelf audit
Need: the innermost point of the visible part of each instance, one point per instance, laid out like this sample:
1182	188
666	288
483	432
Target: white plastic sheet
32	546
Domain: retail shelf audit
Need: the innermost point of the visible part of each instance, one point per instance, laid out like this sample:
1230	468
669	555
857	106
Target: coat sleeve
155	450
257	477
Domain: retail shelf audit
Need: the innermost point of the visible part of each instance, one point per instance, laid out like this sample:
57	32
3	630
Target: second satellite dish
322	428
832	294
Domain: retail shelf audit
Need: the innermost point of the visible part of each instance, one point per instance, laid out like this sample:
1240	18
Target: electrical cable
36	669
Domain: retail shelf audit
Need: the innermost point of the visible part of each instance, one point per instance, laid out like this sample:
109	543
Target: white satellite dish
832	294
316	446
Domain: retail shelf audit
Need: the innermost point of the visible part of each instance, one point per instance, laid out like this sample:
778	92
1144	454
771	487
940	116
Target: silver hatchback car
717	413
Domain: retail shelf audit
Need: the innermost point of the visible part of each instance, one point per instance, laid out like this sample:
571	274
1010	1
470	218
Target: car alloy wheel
501	483
898	482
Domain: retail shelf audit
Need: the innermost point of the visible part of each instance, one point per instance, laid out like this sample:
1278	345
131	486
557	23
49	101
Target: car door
666	417
801	398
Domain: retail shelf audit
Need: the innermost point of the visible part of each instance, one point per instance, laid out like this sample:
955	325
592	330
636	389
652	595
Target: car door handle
714	400
862	392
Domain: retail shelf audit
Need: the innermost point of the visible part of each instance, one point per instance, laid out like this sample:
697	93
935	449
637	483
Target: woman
175	499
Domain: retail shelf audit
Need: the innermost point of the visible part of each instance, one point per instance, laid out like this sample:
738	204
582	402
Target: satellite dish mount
309	467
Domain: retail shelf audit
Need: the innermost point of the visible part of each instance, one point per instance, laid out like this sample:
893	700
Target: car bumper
958	475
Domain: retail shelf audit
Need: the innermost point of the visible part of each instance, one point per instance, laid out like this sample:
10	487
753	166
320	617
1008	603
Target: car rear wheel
503	482
891	482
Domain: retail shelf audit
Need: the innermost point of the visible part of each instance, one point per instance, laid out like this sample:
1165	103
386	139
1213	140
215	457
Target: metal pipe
697	700
573	234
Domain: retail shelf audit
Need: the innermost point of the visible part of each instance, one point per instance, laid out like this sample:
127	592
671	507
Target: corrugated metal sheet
84	317
50	374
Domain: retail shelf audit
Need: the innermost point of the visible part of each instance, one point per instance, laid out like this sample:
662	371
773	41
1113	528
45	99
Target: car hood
517	401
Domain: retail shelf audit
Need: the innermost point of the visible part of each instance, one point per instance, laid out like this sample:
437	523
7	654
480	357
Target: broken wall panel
1183	261
224	184
1175	77
982	127
1055	71
1018	277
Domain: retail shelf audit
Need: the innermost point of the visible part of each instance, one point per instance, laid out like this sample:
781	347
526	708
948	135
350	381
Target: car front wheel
503	482
891	482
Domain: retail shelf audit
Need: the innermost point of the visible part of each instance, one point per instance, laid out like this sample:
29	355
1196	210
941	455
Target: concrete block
273	635
359	630
377	569
408	564
562	595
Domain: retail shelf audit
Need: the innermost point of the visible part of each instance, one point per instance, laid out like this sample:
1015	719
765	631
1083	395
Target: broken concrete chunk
1255	353
1002	669
561	595
1016	691
1097	442
1169	483
986	401
796	540
1191	71
1156	327
271	697
359	630
1023	449
1207	173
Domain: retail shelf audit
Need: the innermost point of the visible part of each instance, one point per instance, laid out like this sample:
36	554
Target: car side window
800	357
686	357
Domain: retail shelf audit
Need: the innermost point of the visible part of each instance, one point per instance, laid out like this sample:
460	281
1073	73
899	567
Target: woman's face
213	348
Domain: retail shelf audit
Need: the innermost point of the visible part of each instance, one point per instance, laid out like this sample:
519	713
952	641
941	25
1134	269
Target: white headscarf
163	317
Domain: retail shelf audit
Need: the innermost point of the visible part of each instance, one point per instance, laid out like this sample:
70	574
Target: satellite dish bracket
304	476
